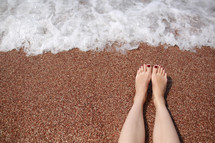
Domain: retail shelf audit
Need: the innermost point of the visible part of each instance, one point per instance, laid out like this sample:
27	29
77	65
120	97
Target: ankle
159	102
139	98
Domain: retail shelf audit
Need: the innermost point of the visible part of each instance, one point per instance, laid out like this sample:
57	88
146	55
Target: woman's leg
133	130
164	129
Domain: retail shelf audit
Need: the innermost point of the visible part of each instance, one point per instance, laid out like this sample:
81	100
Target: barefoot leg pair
133	130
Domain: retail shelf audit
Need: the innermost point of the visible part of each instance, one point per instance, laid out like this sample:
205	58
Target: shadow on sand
149	97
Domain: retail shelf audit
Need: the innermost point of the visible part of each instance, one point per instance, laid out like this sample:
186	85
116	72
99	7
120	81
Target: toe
148	67
163	73
155	69
145	68
159	69
141	68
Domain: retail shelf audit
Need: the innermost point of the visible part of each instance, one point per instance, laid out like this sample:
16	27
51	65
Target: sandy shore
85	96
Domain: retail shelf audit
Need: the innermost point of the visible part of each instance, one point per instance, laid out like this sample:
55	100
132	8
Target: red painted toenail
148	65
156	66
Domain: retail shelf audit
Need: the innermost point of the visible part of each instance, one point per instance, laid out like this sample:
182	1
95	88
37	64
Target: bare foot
159	82
141	83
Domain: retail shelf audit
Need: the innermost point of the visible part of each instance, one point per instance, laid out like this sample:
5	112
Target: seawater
50	25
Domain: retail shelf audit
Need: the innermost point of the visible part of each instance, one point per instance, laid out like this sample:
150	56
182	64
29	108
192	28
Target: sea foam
49	25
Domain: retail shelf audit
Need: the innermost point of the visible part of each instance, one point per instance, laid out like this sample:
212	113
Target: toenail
156	66
148	65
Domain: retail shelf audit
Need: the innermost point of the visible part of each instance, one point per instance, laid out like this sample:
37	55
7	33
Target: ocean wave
48	25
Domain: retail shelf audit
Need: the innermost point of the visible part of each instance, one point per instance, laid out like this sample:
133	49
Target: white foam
50	25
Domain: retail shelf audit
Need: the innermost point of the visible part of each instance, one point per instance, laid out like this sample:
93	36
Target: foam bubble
47	25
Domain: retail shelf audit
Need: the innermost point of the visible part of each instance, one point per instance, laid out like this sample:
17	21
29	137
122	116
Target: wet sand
80	96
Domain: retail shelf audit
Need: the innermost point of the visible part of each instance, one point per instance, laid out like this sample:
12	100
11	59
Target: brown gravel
79	96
